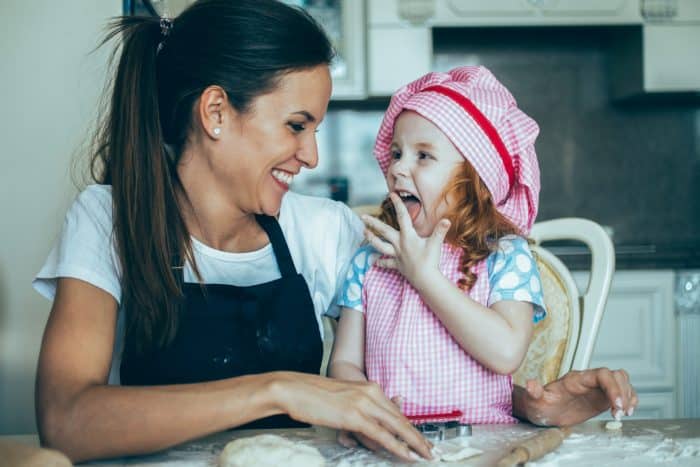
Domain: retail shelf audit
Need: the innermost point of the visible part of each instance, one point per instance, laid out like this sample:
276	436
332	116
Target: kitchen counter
633	256
639	443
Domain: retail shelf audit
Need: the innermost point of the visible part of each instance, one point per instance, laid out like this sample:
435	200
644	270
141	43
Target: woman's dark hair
244	46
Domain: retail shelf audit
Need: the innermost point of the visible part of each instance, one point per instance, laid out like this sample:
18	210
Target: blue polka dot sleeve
351	293
513	275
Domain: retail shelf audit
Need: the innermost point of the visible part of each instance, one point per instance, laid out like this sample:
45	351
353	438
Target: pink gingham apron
409	353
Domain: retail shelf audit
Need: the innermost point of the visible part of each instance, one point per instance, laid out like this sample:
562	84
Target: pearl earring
217	131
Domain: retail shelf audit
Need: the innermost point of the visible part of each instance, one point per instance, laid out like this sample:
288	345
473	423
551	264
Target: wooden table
639	443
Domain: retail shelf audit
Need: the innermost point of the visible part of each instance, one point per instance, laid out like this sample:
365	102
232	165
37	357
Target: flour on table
269	450
602	450
348	463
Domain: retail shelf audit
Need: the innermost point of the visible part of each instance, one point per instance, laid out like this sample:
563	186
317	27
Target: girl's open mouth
411	202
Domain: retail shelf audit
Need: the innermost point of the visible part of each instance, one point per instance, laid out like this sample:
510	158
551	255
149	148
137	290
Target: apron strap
279	247
279	244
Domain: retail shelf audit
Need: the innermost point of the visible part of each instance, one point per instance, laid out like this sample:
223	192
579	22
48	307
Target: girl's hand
357	407
415	257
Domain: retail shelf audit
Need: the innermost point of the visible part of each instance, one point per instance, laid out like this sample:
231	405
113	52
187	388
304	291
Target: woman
211	117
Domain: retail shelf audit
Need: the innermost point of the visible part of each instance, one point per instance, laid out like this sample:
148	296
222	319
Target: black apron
226	331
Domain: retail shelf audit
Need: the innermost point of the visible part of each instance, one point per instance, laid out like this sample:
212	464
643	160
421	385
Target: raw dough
269	450
613	425
455	450
464	453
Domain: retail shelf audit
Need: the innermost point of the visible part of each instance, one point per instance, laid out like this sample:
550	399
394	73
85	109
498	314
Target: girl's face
263	149
423	162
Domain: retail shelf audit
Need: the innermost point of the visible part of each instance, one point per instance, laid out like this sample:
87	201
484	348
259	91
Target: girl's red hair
475	223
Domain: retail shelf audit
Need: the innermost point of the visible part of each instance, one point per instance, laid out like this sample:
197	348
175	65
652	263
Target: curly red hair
475	223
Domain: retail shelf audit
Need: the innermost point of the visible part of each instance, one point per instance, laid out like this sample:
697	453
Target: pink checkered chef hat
481	118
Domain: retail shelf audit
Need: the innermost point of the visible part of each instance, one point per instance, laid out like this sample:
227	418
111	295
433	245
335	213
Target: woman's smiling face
423	162
265	147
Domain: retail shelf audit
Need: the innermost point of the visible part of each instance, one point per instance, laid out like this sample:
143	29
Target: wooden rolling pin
535	447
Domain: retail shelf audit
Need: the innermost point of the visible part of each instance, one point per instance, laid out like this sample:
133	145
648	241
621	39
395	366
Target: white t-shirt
322	235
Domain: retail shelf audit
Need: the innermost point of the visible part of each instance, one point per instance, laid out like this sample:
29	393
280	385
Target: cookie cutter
441	426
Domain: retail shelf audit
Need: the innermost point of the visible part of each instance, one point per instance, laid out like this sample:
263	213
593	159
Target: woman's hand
357	407
575	397
350	439
415	257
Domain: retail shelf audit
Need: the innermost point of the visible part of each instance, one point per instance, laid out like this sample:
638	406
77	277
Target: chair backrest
565	339
551	349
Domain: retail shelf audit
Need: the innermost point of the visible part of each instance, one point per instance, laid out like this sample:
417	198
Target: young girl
438	308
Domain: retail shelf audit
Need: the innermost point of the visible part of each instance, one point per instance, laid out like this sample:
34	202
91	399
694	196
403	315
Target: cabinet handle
659	9
416	11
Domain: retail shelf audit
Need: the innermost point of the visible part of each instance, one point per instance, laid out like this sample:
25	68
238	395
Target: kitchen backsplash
633	165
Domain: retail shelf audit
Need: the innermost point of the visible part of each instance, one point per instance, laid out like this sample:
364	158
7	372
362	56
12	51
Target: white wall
49	86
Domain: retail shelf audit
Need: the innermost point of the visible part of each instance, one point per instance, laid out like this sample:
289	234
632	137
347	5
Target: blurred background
613	84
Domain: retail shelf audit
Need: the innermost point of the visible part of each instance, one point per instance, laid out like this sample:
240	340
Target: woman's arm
575	397
79	414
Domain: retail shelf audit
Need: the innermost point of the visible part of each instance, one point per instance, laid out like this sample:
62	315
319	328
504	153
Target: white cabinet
506	12
535	12
399	45
400	39
344	22
348	69
639	333
671	57
396	56
663	55
653	405
658	57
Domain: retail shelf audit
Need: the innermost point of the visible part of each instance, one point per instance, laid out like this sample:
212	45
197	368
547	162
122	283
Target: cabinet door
348	70
652	405
638	331
671	57
656	405
688	10
397	55
344	22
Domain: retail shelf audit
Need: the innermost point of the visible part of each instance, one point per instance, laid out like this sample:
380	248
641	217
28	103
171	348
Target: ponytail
150	234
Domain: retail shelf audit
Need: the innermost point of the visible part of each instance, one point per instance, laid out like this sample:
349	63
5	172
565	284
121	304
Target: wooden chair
565	339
